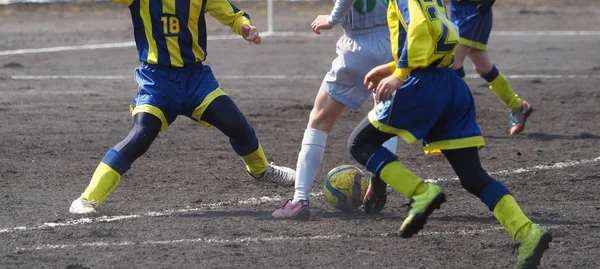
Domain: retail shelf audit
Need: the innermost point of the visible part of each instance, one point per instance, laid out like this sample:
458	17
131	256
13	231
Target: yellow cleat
422	206
530	251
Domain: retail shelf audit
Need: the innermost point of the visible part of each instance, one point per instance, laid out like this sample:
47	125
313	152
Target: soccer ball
345	187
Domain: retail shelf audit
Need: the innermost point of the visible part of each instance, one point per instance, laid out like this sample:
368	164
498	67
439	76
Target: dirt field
188	202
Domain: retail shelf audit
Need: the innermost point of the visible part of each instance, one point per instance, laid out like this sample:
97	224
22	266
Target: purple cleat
295	211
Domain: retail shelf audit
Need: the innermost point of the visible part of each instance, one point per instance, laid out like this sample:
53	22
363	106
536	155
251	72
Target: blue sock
117	161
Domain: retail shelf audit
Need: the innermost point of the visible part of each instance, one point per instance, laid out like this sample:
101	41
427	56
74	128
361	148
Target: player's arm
326	22
340	8
239	21
417	45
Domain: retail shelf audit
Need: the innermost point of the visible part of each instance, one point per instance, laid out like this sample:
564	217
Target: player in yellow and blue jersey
474	21
421	98
172	80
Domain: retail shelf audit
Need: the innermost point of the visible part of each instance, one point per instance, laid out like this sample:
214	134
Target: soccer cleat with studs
518	118
376	196
296	211
83	206
284	176
423	205
531	250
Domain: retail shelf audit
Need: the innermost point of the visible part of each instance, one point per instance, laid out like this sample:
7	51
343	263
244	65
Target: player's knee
359	149
137	142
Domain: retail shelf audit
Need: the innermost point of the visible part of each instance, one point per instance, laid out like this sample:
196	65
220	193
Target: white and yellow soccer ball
345	187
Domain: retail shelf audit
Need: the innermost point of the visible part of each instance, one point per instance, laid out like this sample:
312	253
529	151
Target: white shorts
358	53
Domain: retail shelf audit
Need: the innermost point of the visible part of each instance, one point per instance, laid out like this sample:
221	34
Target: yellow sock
402	179
501	87
104	181
256	162
508	212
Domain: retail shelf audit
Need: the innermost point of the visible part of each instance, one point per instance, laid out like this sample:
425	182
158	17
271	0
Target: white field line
270	77
247	240
276	34
261	200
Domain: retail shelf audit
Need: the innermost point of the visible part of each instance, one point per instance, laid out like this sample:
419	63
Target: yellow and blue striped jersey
421	36
173	32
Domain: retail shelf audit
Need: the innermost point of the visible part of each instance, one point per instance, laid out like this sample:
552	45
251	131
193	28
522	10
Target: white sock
309	162
391	144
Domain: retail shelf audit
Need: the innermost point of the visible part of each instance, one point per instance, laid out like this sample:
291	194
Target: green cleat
530	251
422	206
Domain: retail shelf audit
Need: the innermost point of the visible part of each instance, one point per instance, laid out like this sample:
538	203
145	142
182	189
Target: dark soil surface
188	202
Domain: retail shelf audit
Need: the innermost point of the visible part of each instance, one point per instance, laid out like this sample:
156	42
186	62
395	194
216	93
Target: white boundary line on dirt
275	34
271	77
261	200
246	240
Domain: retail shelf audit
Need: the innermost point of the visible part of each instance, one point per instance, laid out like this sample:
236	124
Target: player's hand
387	87
251	34
485	6
321	23
376	74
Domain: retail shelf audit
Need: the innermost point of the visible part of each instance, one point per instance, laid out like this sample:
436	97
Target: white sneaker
82	206
284	176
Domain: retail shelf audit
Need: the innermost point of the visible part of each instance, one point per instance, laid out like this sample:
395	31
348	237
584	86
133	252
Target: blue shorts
474	30
167	92
435	106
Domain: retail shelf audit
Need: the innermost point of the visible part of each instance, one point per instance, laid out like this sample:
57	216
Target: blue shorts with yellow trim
474	29
435	106
167	92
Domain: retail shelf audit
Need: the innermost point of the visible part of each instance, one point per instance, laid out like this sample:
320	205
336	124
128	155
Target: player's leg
342	87
210	106
376	195
459	58
519	109
224	114
365	147
116	162
533	238
325	112
415	109
150	116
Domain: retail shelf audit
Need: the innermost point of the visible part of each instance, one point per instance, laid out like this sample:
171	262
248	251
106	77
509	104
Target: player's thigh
225	115
208	104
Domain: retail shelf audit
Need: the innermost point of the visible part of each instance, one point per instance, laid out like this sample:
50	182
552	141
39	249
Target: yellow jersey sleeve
123	2
228	14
